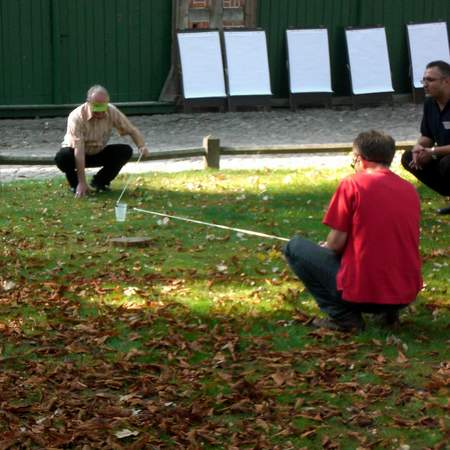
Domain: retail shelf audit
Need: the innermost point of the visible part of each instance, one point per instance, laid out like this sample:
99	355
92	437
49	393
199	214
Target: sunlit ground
201	339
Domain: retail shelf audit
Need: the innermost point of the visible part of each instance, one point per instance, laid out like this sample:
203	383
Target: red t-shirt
381	213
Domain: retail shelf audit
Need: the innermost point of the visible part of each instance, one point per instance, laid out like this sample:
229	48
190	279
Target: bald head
98	94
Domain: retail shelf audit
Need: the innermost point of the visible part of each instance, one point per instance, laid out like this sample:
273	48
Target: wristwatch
433	153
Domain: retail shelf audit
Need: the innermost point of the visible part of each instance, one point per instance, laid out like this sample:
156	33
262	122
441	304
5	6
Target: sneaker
444	210
353	325
100	187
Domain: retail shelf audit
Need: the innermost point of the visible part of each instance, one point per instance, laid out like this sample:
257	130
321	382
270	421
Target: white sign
309	60
370	70
247	63
427	42
201	64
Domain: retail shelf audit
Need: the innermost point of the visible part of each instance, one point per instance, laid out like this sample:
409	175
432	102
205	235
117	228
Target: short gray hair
442	66
96	89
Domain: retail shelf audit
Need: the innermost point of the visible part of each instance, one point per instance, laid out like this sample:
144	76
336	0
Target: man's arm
138	139
80	164
124	126
419	151
442	150
426	155
336	241
424	142
76	134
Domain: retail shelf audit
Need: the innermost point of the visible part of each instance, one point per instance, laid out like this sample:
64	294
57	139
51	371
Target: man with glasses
89	128
429	160
370	262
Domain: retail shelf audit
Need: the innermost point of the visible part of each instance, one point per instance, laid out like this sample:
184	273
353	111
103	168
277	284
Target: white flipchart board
369	60
201	65
427	42
247	63
309	60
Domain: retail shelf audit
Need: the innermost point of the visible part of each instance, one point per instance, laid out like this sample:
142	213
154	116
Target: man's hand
336	241
82	189
144	151
416	152
424	157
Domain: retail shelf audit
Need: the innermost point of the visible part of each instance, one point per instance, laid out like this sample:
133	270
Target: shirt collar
446	107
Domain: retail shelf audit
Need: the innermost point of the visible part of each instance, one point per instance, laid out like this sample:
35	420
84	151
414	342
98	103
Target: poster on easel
247	63
427	42
201	63
308	60
368	57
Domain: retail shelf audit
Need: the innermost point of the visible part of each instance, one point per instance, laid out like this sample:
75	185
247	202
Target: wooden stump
212	152
138	241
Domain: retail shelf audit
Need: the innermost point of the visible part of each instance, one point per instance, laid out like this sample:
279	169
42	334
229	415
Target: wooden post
250	13
180	21
212	152
216	14
182	14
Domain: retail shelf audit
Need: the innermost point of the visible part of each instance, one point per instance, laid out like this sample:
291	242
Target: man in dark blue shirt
429	160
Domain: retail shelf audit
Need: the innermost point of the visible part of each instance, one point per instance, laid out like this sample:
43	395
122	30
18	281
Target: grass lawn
200	340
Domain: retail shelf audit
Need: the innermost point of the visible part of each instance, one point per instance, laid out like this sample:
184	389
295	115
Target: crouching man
370	262
89	128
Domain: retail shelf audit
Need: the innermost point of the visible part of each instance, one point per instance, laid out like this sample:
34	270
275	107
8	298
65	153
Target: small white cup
121	212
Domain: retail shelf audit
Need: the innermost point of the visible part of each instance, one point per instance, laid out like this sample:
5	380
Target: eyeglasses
357	157
430	80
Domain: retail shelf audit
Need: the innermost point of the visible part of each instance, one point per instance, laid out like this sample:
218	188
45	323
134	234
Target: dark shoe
100	187
444	210
389	319
73	189
354	325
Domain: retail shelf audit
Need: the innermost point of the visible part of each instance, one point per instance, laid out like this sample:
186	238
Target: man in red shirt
370	261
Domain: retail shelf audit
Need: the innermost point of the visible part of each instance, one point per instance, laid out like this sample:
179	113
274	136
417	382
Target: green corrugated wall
25	52
51	51
275	16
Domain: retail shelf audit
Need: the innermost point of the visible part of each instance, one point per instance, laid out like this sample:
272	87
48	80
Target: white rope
128	182
223	227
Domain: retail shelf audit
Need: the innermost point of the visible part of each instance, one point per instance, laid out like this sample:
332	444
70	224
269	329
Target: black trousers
436	174
111	159
317	268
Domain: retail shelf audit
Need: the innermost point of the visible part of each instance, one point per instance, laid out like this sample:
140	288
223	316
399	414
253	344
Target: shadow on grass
52	237
204	330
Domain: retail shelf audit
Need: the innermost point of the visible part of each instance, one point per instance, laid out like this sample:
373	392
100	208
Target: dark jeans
436	174
111	159
317	268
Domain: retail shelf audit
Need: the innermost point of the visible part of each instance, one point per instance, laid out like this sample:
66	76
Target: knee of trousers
124	152
128	152
65	160
295	257
444	167
406	159
293	251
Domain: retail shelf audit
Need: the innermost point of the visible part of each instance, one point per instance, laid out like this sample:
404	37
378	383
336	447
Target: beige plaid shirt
92	135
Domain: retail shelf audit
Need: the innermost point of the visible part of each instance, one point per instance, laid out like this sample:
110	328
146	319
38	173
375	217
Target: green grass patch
199	340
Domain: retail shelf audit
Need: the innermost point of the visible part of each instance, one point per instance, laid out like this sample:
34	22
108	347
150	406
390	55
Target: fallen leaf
122	434
401	358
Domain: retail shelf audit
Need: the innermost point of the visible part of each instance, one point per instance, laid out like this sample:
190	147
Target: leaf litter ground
201	340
